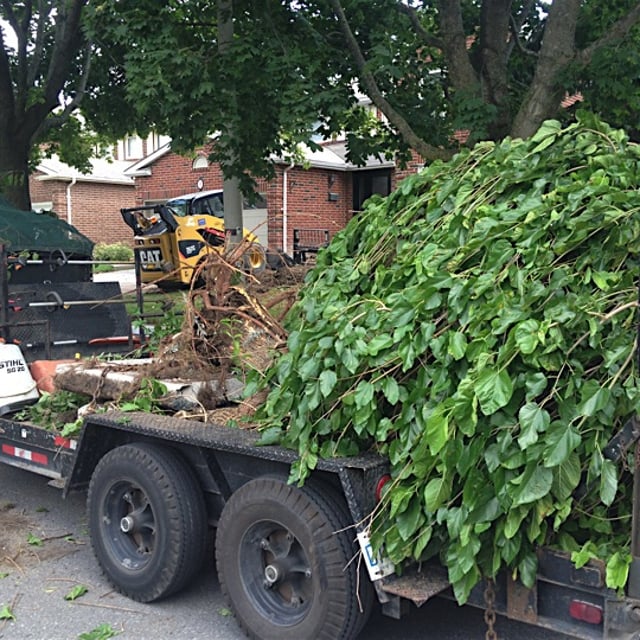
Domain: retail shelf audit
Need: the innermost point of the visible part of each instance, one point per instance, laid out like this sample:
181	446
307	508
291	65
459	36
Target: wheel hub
272	574
127	524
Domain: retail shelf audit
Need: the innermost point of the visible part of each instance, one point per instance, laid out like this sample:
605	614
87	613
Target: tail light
382	483
585	611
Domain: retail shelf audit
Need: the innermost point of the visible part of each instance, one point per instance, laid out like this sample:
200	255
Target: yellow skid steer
172	239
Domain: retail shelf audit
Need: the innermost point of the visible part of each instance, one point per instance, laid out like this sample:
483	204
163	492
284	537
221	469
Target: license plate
378	566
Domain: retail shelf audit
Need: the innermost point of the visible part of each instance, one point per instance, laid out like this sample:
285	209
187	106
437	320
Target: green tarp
31	231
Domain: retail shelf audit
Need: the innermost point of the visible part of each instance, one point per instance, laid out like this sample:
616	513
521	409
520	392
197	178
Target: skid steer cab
172	239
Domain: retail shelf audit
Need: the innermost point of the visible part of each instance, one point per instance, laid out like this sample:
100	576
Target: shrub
118	251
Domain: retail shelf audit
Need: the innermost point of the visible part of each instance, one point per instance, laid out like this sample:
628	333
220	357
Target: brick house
320	197
92	202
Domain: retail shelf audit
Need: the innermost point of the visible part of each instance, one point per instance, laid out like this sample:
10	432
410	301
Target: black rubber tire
300	533
151	491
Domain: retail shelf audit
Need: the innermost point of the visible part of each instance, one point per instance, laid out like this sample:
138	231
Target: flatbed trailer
287	557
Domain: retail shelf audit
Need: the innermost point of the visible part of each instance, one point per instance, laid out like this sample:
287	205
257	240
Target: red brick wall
413	166
173	176
95	207
308	204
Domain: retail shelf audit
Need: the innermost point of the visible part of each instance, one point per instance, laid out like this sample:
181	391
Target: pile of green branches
478	328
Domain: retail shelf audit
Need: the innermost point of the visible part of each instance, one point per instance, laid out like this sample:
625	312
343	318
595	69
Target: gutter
69	207
285	210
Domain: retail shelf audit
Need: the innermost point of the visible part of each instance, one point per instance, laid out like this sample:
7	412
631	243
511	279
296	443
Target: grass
156	305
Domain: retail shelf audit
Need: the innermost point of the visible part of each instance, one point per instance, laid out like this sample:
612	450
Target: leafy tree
494	68
42	71
295	70
48	67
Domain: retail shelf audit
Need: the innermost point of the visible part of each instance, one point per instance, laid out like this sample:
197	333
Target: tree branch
543	96
558	51
428	38
617	31
7	103
67	41
460	71
516	26
60	118
427	151
38	48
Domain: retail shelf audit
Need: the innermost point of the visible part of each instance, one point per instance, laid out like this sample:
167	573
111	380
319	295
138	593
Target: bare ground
22	543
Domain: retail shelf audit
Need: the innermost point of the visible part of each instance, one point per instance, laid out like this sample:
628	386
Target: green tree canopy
49	65
493	68
296	71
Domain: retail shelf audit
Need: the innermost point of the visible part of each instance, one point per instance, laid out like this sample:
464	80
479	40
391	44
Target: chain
490	611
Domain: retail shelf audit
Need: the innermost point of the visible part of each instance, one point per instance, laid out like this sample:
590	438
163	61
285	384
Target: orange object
44	371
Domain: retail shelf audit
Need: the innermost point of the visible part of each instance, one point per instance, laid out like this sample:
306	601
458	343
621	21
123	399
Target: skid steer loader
172	239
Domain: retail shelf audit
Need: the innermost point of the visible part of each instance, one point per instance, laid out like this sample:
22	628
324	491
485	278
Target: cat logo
150	255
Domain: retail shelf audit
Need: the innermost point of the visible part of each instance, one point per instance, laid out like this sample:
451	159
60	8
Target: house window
132	148
200	162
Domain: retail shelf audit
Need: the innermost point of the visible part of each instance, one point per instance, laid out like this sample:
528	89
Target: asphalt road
39	577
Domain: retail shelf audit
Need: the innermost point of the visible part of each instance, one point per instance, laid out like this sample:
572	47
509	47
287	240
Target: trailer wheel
286	565
147	520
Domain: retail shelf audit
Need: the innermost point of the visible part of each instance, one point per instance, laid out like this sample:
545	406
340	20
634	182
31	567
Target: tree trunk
231	193
494	47
542	100
14	172
461	73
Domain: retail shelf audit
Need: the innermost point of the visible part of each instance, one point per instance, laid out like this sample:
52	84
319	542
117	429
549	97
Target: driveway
126	278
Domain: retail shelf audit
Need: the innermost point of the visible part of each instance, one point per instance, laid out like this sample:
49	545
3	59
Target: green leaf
494	390
391	390
562	440
270	436
528	569
408	520
350	360
379	343
101	632
513	521
566	477
34	541
594	398
533	420
6	613
364	393
457	345
608	482
437	430
436	493
535	383
618	569
328	381
527	336
400	497
77	591
533	484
